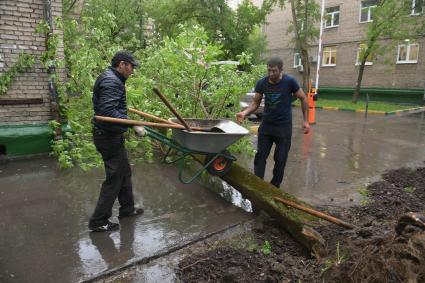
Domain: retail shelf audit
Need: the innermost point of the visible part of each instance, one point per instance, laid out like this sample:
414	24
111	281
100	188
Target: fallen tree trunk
261	195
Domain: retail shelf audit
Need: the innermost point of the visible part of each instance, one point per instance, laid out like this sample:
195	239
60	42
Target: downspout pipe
51	71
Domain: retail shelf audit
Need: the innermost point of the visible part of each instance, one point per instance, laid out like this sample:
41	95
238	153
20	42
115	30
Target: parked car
246	101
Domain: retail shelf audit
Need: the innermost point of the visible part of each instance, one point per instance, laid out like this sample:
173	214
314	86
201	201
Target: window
369	59
366	10
297	60
332	17
408	53
329	56
417	7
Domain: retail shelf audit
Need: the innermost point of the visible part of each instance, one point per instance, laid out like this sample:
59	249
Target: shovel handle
150	116
167	103
143	123
315	213
136	122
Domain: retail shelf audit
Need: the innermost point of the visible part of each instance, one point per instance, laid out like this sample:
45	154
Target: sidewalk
44	235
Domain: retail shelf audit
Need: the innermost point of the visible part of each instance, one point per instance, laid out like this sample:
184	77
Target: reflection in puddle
227	192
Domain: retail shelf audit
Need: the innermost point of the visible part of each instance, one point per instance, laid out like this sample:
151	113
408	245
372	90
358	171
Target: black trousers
282	143
118	177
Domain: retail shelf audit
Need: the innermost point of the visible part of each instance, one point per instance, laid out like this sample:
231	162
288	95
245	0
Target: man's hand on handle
240	117
140	131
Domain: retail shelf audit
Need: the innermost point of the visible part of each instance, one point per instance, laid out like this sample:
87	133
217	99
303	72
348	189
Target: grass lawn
387	104
361	105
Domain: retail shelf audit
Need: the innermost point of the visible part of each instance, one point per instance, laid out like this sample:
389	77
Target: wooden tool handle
150	116
162	97
315	213
143	123
137	123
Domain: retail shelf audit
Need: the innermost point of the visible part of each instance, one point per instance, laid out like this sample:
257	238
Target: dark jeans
282	143
118	177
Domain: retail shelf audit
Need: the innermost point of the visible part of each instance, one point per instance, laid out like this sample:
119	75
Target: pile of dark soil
376	252
267	254
373	252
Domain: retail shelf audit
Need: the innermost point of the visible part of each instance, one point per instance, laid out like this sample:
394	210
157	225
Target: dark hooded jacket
109	99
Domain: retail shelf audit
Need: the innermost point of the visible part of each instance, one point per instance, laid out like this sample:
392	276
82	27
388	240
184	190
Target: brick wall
18	21
347	38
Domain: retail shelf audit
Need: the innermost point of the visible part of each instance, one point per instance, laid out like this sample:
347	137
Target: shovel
150	124
221	127
168	104
150	116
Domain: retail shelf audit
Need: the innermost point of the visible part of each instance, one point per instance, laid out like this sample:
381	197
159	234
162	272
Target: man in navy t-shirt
276	126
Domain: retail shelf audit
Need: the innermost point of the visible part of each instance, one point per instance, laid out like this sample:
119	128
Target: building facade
25	108
403	67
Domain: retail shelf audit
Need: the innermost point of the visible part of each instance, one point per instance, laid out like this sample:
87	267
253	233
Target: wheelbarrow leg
197	174
173	160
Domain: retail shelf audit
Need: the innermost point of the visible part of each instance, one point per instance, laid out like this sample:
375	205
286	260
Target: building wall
18	21
347	38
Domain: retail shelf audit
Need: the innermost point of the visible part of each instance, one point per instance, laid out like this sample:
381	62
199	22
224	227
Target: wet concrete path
43	227
344	150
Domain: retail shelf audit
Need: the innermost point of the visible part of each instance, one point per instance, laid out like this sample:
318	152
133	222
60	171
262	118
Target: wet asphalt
345	151
44	235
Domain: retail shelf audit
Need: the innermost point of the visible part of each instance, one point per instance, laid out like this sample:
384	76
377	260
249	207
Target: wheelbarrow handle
167	103
150	116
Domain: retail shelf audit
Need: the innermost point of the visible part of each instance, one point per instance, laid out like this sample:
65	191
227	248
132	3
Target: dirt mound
267	254
374	252
390	259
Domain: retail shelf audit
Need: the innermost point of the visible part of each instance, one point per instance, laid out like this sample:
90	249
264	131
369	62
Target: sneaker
135	212
110	226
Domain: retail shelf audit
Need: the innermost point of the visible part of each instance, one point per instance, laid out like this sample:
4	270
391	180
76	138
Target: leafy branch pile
184	66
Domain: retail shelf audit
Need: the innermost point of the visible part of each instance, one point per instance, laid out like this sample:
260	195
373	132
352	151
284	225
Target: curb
406	111
144	260
397	112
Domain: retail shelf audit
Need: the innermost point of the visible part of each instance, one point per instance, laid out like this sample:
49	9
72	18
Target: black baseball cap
126	57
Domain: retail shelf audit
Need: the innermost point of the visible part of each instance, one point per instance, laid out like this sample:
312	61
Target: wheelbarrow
204	142
211	145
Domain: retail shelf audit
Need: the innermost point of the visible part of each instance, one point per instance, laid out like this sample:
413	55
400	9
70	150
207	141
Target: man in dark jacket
109	99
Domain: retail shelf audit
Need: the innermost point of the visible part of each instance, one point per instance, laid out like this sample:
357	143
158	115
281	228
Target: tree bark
301	44
356	93
261	195
306	69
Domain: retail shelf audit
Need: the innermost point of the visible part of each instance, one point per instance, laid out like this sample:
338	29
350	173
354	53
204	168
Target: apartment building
343	35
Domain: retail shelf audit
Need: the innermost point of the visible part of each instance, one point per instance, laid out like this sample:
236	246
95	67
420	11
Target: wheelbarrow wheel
220	166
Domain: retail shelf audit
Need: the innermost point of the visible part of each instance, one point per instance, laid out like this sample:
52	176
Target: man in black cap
109	99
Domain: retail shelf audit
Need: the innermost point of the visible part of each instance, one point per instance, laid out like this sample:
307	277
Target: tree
305	13
127	17
391	20
222	24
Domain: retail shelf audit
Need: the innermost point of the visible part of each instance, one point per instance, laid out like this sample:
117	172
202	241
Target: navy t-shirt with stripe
277	100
